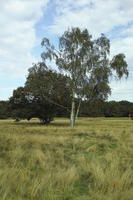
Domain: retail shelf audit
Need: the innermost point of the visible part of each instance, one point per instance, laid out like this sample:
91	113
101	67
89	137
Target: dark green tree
50	89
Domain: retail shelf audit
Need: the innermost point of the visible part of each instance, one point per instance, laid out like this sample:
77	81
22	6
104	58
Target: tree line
88	109
82	79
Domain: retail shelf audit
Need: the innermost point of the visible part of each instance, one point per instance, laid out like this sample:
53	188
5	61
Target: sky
25	22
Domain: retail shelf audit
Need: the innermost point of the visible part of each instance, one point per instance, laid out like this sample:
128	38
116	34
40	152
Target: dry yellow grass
93	161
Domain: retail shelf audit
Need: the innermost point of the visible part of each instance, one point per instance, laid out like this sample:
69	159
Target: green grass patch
93	161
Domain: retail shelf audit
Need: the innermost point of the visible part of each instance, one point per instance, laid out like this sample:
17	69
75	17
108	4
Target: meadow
93	161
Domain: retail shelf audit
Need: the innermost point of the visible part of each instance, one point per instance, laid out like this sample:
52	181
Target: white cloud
122	90
5	92
17	35
97	15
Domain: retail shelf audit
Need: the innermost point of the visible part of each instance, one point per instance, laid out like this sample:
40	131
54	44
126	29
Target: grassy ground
94	161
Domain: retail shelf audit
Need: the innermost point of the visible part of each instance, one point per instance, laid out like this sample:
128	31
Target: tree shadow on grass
27	124
52	124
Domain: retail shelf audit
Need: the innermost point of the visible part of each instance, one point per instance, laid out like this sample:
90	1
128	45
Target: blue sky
25	22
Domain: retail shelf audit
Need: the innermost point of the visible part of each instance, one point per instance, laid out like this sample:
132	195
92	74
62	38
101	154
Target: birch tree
87	62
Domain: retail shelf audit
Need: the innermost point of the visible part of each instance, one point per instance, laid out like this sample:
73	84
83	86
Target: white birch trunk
72	120
76	116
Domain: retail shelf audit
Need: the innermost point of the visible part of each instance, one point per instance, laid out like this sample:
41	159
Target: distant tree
4	110
87	63
125	108
112	109
101	108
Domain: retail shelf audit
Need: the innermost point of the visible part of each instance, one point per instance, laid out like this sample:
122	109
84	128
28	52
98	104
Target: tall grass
93	161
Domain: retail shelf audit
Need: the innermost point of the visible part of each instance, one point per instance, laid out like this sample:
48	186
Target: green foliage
48	85
92	161
119	65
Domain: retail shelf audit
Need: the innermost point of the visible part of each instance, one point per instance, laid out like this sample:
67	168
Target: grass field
93	161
